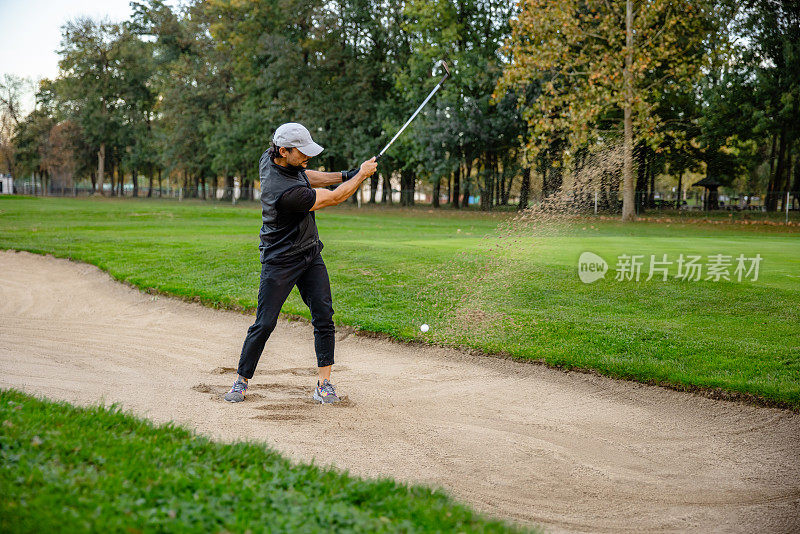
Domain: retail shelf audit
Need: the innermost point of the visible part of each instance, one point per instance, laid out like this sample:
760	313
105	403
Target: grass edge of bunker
70	468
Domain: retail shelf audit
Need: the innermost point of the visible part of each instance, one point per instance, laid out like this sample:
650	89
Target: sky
30	32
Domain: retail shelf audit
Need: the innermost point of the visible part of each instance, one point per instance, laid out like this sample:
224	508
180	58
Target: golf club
439	85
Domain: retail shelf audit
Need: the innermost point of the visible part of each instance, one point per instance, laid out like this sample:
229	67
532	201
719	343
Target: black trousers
310	276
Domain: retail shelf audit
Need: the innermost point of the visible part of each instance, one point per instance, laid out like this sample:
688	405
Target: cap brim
312	149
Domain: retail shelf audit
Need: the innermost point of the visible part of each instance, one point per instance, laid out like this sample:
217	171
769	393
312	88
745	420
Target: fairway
392	270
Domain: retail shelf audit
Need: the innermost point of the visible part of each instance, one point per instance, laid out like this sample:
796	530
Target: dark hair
274	150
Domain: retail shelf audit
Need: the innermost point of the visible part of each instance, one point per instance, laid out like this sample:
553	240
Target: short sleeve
298	199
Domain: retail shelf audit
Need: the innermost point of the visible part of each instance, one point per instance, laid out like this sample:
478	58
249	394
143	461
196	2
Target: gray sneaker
325	393
236	394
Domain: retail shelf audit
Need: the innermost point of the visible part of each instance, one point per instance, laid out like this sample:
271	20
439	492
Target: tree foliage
195	92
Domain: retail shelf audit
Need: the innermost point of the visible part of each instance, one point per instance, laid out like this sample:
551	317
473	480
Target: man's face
294	157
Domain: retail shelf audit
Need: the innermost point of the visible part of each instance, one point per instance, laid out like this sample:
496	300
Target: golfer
290	249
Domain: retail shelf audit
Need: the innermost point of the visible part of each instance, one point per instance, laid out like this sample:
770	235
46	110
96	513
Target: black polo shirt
298	199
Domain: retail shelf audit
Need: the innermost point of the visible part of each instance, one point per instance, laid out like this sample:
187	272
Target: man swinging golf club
290	249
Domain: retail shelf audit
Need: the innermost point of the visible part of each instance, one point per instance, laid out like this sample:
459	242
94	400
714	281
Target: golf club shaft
411	119
438	86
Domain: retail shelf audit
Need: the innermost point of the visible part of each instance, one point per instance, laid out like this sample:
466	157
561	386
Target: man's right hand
368	168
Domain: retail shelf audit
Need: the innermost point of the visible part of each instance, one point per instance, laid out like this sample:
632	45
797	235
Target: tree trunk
796	187
467	181
771	165
641	179
135	179
680	191
93	176
407	183
159	183
456	187
579	190
651	174
437	184
485	185
229	186
501	188
151	178
493	192
387	188
373	187
120	180
772	154
789	168
525	188
495	179
501	182
541	168
101	161
112	175
498	183
506	191
776	179
628	186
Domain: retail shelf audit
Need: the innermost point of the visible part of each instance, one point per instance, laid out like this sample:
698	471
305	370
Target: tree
755	94
588	68
465	129
137	92
32	142
89	84
60	159
12	89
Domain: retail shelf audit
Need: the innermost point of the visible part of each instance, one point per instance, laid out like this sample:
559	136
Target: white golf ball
424	328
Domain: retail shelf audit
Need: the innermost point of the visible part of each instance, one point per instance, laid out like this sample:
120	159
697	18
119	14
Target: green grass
69	469
394	269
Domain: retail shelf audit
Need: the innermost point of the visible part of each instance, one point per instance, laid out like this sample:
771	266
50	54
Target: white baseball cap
295	135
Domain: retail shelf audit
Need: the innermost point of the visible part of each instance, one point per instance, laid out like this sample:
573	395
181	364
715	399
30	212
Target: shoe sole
320	400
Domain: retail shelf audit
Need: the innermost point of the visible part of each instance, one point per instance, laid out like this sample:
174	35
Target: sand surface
568	451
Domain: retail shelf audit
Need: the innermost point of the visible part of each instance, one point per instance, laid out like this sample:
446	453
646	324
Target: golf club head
446	72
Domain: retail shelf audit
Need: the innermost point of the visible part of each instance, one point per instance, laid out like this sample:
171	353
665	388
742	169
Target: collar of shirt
289	173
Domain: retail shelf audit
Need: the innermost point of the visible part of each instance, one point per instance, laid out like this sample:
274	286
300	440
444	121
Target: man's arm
325	197
323	179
